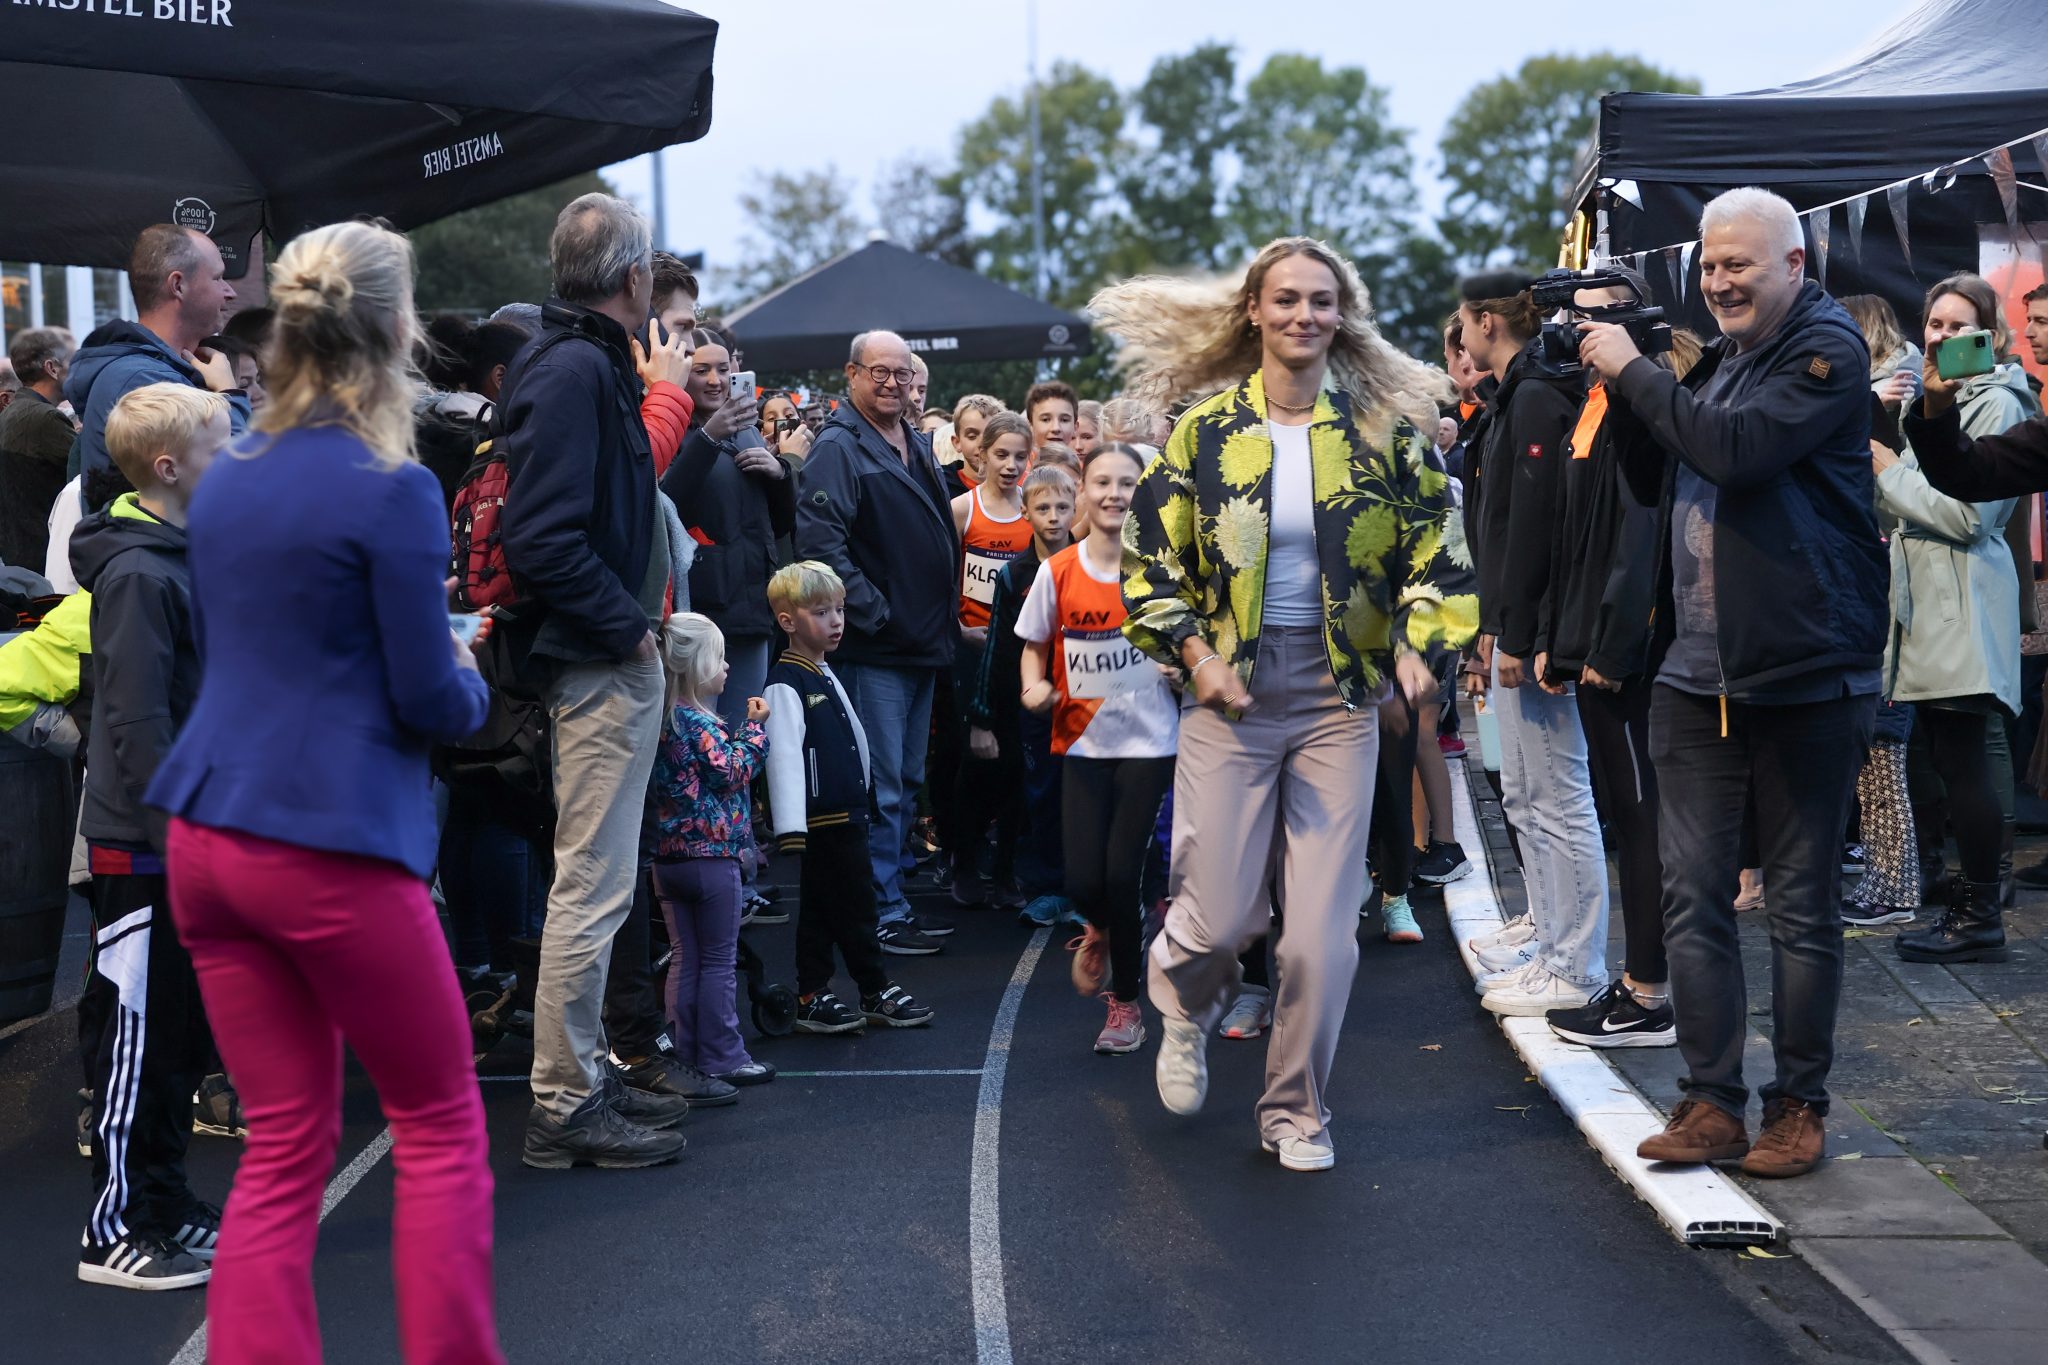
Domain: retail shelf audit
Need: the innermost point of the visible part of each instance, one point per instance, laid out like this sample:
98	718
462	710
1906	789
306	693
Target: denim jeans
494	879
1547	792
1799	763
895	708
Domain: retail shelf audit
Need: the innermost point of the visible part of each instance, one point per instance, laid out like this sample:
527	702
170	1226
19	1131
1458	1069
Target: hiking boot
595	1135
1972	929
1698	1133
1091	960
1125	1031
1790	1143
643	1107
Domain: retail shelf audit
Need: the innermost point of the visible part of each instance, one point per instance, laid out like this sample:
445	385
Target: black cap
1492	284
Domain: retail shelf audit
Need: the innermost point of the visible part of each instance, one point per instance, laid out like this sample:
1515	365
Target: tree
795	221
1188	109
1317	157
478	259
1081	120
922	209
1414	288
1510	146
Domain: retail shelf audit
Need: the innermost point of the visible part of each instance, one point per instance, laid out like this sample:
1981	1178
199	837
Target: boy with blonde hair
820	789
147	1230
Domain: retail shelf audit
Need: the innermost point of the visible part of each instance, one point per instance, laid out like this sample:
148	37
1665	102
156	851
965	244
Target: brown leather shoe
1791	1142
1698	1133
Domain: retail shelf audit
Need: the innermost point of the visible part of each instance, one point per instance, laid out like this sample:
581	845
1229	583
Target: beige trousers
1282	796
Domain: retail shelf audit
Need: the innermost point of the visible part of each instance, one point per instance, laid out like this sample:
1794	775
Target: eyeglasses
882	374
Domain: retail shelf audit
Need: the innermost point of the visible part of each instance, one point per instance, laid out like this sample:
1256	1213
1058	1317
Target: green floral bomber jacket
1195	541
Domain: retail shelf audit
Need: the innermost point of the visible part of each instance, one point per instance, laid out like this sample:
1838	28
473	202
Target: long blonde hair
1186	338
341	349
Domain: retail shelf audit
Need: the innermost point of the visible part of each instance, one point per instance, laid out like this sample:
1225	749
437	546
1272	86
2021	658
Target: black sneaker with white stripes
137	1262
895	1007
1614	1018
825	1012
199	1231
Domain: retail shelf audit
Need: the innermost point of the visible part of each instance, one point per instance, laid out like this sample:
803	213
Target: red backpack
482	577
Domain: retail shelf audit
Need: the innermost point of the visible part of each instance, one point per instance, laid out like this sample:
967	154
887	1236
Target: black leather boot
1972	929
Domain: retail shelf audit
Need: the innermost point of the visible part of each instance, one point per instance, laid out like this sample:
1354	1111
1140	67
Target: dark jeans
1800	764
494	880
1110	807
1393	801
836	909
1039	863
632	1011
1617	728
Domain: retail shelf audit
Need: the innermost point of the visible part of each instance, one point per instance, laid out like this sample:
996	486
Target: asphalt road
826	1218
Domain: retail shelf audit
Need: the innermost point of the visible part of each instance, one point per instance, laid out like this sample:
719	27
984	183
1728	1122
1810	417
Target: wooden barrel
38	812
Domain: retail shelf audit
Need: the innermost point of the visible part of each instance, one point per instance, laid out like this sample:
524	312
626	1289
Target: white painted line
984	1213
21	1025
1697	1203
193	1352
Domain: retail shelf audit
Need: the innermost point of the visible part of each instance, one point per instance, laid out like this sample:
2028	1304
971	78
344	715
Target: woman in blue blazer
302	831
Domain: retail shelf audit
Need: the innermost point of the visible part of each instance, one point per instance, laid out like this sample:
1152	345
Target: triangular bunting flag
1855	209
1677	275
2000	165
1685	255
1897	196
1817	224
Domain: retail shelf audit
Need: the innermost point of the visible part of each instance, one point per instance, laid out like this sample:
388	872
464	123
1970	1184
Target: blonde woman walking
1277	551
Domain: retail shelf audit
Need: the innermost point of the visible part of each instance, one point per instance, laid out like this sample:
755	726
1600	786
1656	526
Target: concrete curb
1698	1204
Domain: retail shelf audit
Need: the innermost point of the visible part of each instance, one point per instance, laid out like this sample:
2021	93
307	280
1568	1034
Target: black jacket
999	676
35	441
145	665
1801	582
579	512
2012	464
887	529
818	773
1515	448
1603	561
735	519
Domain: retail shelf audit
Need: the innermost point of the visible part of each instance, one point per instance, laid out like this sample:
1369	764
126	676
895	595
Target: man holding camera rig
1768	639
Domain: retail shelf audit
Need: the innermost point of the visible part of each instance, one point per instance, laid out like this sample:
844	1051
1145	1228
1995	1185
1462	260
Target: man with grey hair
582	540
874	506
1766	649
35	442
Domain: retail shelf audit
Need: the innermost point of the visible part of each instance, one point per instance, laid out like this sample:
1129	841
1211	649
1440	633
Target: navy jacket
116	358
887	530
329	667
818	770
1801	581
579	513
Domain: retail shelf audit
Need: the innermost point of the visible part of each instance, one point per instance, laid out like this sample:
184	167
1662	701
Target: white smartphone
742	383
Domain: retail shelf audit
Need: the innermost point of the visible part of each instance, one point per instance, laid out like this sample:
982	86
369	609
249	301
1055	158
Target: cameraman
1767	642
1558	961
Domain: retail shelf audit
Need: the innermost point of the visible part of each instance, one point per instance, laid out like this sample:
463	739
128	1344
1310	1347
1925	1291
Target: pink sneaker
1125	1031
1091	960
1451	745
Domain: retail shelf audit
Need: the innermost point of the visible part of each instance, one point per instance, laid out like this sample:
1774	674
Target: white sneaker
1535	991
1505	955
1514	965
1183	1068
1302	1154
1251	1016
1520	929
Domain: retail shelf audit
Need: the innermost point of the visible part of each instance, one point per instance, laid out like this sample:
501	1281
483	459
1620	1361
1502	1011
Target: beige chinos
1298	758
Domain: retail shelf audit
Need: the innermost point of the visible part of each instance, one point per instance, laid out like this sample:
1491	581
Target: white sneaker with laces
1505	955
1533	992
1520	929
1183	1067
1302	1154
1513	966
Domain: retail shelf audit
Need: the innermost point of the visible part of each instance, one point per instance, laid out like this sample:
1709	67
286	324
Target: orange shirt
1590	418
987	546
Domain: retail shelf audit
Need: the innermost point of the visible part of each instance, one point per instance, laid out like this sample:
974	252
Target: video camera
1555	289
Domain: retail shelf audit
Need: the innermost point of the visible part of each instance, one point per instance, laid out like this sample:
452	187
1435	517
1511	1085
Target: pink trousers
297	951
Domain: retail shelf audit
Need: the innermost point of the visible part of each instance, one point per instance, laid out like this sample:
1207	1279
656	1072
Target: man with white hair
1766	649
875	507
582	539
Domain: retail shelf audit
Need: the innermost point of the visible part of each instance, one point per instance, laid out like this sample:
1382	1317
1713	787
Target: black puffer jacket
1800	576
735	518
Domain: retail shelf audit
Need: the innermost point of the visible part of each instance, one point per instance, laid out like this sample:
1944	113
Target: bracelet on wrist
1209	658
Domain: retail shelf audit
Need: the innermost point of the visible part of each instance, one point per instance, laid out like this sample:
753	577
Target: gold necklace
1273	402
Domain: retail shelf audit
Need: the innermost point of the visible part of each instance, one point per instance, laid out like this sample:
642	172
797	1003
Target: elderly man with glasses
873	505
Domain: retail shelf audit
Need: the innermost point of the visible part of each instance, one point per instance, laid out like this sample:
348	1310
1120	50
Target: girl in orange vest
1115	724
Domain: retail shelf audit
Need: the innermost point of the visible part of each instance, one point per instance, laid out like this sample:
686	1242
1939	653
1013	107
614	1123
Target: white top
65	514
1117	703
1294	579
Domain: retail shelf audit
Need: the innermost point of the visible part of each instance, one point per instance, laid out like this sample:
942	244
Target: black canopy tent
1952	79
235	116
943	311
